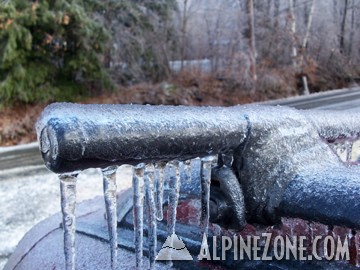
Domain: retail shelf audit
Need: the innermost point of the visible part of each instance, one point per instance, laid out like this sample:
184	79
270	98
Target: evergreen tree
49	50
142	37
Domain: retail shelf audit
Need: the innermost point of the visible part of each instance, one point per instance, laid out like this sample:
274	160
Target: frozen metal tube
330	197
76	136
332	125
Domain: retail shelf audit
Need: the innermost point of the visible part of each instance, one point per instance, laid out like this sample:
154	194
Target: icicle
333	147
189	172
68	202
159	187
174	189
150	212
173	184
186	171
205	191
349	146
138	207
342	147
109	182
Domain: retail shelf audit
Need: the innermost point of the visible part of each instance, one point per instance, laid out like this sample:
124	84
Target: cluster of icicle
149	183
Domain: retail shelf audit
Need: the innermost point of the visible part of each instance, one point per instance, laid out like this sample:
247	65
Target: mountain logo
173	249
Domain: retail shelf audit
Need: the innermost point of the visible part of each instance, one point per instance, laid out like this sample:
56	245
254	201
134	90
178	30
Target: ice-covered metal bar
286	168
278	152
330	197
332	125
74	137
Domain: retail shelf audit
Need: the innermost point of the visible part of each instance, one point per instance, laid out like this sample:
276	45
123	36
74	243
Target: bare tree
277	13
309	24
343	27
183	32
304	45
287	32
253	54
352	29
292	21
298	57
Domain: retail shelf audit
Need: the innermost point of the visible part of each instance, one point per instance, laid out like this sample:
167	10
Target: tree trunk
352	28
343	29
293	34
276	13
269	4
253	56
304	45
183	34
309	23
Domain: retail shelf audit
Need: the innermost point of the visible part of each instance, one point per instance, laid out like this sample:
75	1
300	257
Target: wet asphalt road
29	192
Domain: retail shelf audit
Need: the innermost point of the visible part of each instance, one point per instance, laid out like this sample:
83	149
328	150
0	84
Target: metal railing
271	162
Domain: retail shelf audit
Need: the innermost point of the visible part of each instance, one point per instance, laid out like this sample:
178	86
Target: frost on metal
74	137
332	125
280	162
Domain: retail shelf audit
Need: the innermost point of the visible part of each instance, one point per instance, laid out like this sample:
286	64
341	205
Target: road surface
343	99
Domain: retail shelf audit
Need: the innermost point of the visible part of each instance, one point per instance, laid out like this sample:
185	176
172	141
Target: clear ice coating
334	124
173	131
149	185
159	189
190	175
138	212
68	202
185	175
186	168
205	191
150	212
109	183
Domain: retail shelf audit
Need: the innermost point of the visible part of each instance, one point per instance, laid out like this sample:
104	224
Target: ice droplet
185	171
109	184
159	187
138	208
190	175
205	192
68	202
150	212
